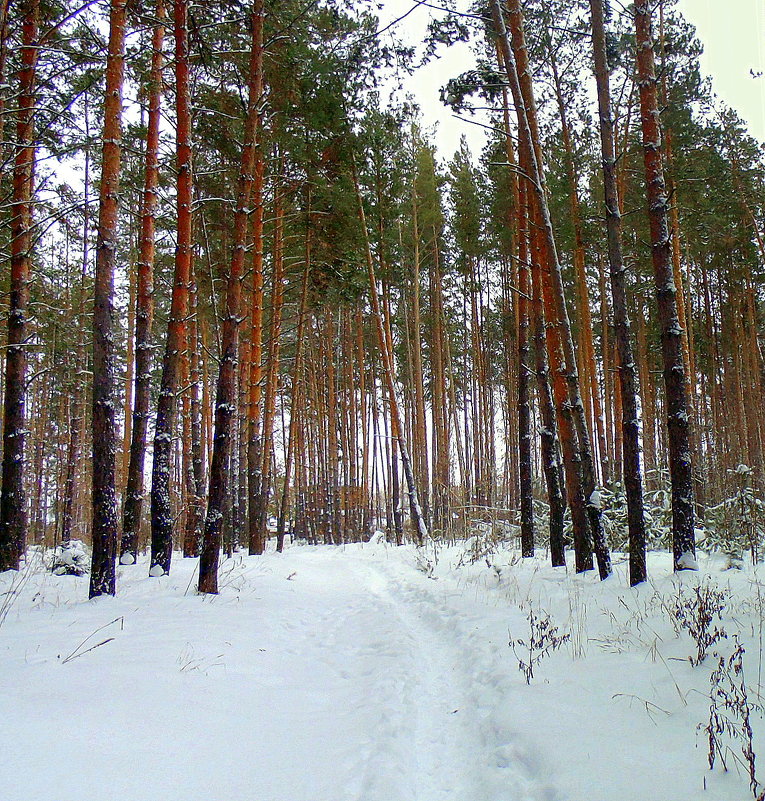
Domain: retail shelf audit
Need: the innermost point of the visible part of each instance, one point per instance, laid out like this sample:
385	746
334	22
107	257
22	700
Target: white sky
732	32
733	35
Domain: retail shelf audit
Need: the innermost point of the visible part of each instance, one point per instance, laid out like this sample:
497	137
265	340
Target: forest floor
369	673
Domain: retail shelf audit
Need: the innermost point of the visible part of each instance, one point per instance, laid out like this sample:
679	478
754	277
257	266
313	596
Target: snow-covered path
362	673
457	749
318	675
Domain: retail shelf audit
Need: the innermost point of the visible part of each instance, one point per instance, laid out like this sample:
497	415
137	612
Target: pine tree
103	570
675	381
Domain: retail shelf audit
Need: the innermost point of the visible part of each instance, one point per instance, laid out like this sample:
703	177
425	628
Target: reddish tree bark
225	400
131	518
103	573
675	381
13	516
161	511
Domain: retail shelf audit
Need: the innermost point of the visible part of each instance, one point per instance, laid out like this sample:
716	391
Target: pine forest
340	466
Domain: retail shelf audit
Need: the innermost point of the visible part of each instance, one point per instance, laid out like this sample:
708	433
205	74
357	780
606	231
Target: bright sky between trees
732	32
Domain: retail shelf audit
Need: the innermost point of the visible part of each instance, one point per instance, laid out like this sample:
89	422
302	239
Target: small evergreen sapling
737	524
70	559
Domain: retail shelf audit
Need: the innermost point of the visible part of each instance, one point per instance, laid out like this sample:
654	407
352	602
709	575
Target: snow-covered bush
657	512
611	499
482	545
70	559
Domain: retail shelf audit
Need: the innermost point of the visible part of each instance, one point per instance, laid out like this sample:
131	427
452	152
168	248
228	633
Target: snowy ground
363	673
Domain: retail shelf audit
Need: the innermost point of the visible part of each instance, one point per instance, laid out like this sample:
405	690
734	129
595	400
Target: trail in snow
346	674
319	675
461	750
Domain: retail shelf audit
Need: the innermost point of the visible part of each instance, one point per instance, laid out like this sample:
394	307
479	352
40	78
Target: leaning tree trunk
678	423
225	399
131	513
548	434
13	517
161	509
103	572
633	482
529	135
591	390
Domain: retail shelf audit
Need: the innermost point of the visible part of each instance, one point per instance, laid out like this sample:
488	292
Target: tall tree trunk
103	572
559	324
627	372
590	389
524	368
161	510
439	344
260	511
192	537
78	400
13	516
144	313
548	434
294	417
419	428
254	411
675	380
225	399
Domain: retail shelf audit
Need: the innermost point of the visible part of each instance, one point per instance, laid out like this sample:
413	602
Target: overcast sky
732	32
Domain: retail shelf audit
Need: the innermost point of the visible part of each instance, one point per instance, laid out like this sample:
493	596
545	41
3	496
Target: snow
687	561
363	673
156	571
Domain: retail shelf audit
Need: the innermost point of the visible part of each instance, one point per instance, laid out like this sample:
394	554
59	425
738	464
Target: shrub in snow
612	502
730	714
481	546
543	639
696	613
424	562
70	559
